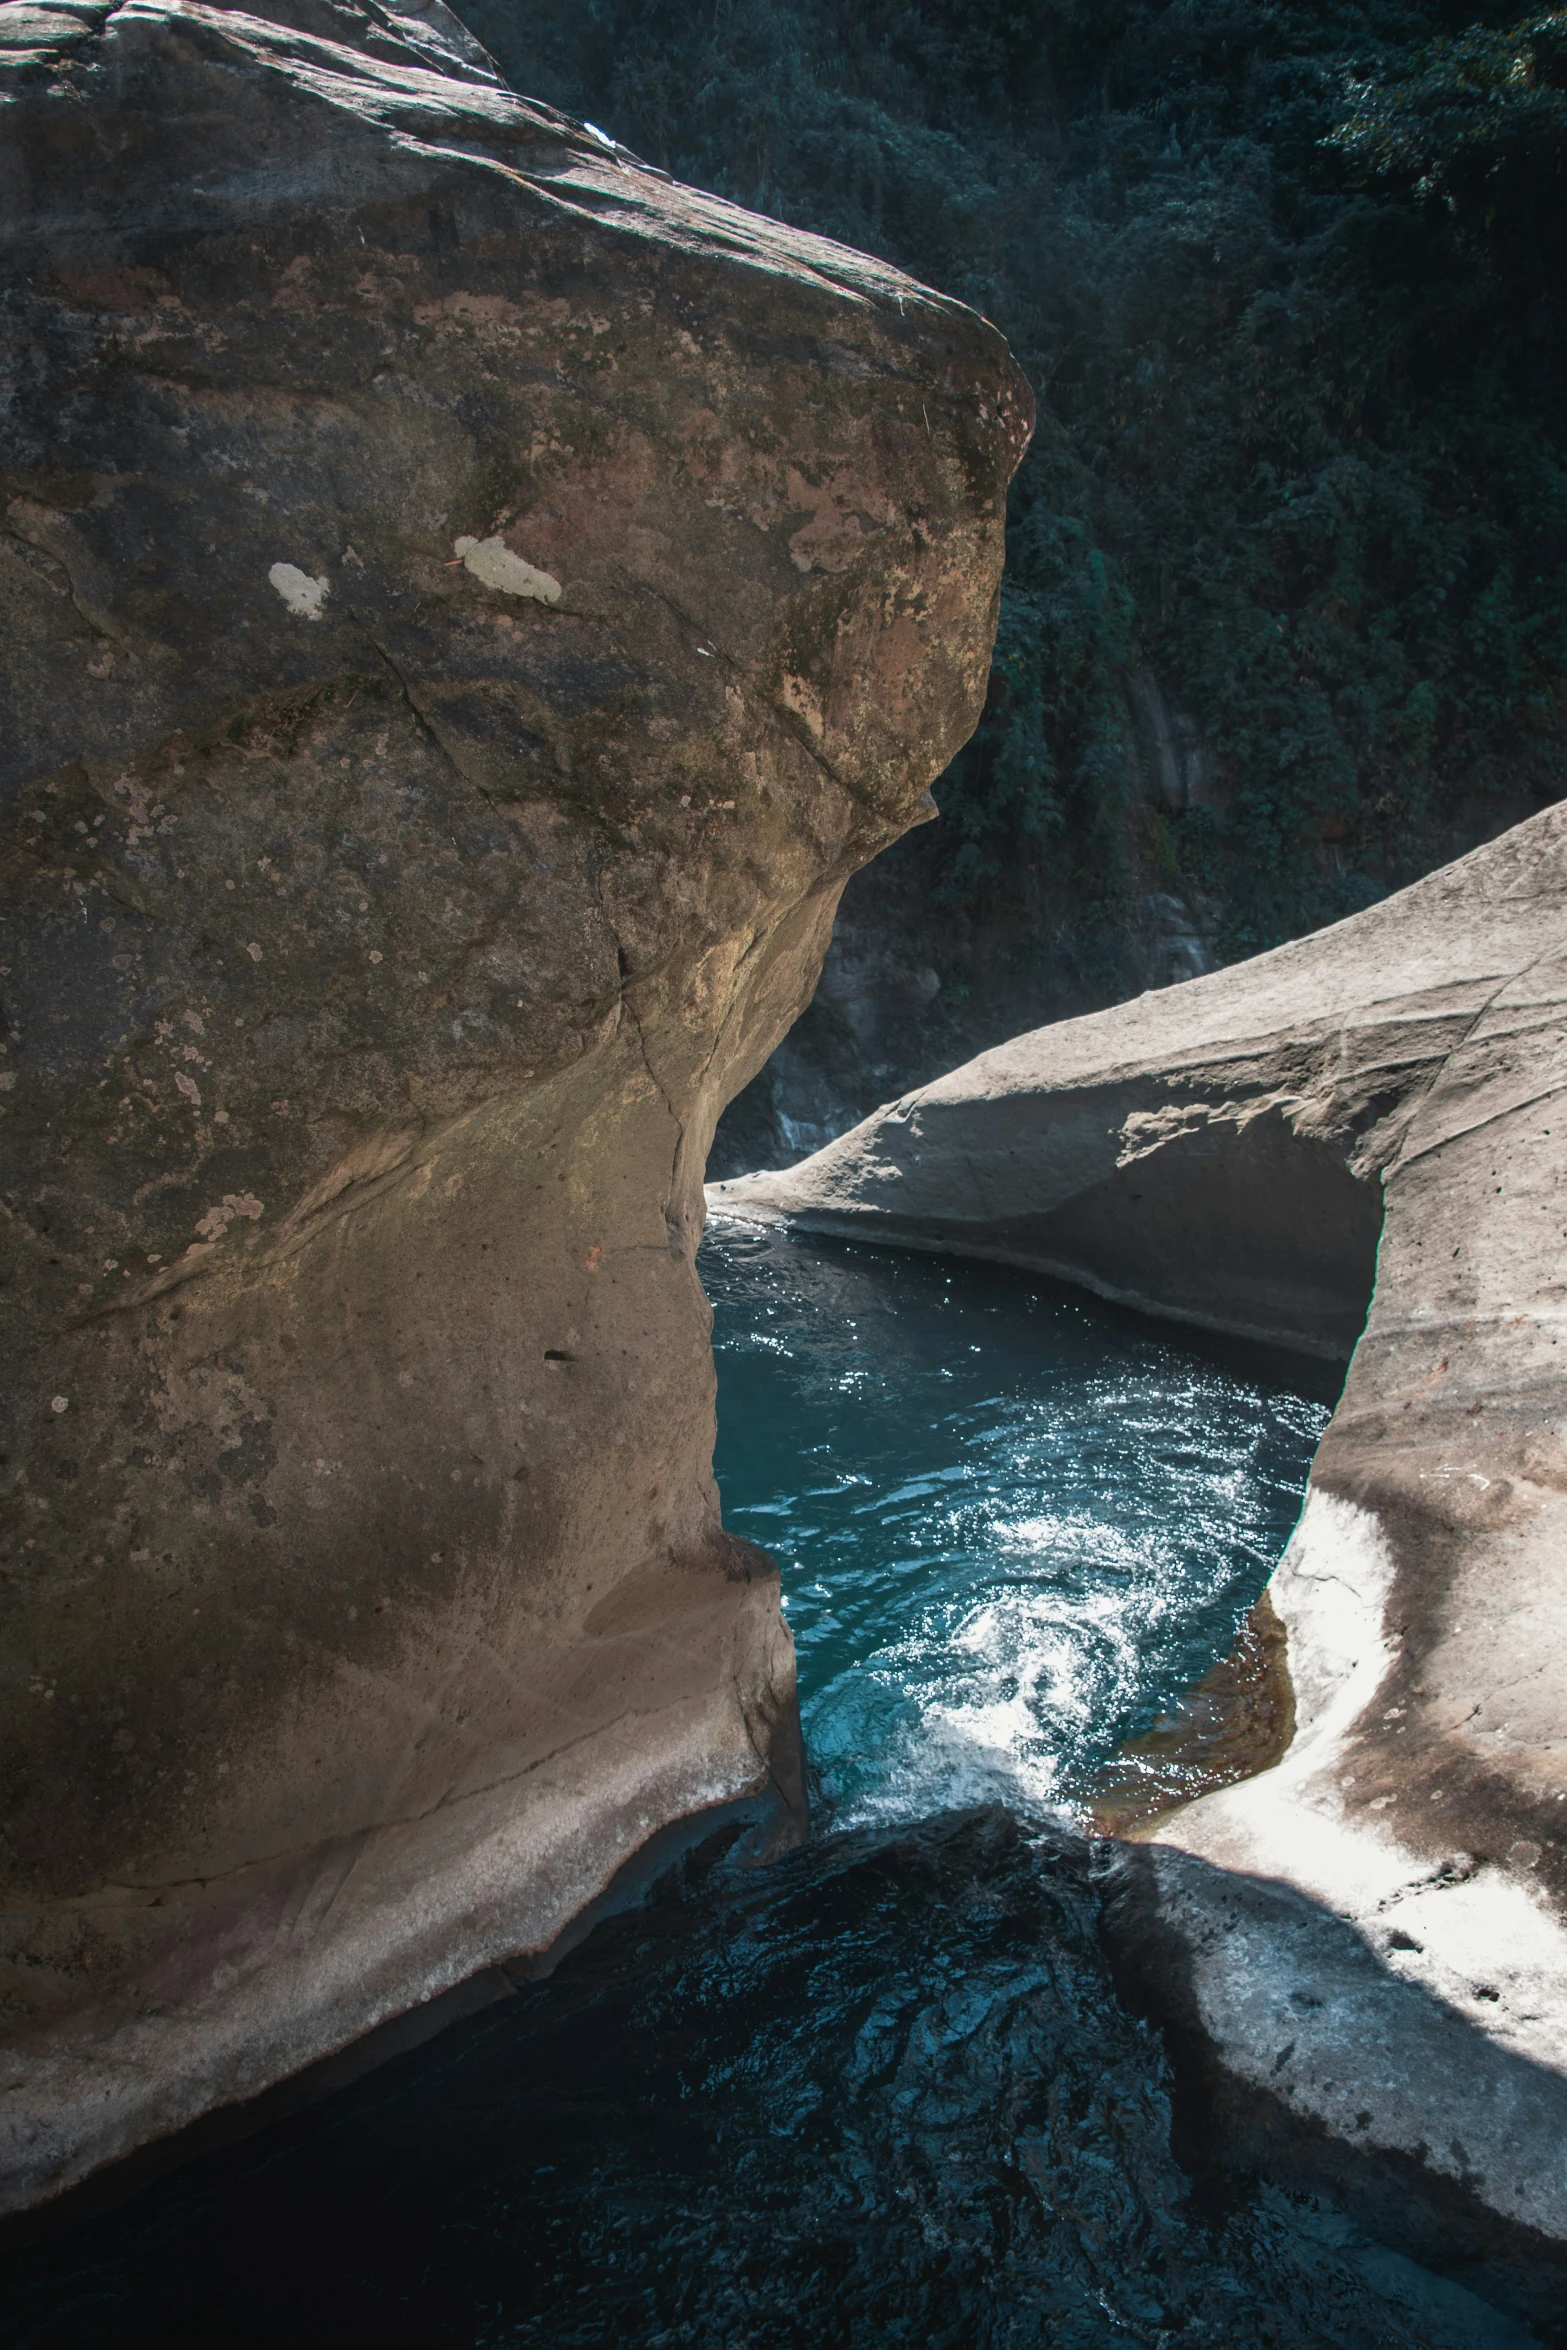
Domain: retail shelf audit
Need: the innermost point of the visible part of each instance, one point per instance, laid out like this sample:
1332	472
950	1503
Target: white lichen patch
302	594
217	1220
492	562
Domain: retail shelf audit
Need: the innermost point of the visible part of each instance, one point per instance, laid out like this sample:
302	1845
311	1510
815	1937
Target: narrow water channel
883	2092
1013	1524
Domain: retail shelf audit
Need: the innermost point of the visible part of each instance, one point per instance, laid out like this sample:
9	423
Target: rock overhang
1409	1852
470	604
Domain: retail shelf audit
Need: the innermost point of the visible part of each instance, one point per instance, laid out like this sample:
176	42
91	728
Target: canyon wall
1366	1944
469	604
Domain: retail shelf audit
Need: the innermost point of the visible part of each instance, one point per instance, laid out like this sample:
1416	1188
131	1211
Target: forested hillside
1286	615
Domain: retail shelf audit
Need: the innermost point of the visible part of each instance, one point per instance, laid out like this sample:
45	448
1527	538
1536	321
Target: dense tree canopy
1287	275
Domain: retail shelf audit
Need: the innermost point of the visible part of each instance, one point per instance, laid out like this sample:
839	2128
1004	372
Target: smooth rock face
468	604
1373	1931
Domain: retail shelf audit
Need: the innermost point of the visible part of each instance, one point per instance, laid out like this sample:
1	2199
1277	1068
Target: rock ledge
1375	1931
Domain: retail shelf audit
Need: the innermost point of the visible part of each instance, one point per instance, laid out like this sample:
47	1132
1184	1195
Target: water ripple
1013	1524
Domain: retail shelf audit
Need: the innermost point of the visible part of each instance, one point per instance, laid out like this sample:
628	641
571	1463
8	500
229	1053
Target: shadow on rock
1230	1965
882	2092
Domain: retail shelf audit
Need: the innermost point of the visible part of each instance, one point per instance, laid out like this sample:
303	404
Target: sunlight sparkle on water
1013	1524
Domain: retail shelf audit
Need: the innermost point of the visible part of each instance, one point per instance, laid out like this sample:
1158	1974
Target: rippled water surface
1013	1524
883	2092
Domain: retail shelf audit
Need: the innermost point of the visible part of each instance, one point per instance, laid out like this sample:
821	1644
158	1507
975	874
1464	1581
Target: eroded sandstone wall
1370	1939
468	604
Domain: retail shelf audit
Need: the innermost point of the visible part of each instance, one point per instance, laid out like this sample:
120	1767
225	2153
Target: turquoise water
884	2091
1013	1524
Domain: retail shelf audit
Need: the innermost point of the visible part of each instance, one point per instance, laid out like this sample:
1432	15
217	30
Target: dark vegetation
1288	277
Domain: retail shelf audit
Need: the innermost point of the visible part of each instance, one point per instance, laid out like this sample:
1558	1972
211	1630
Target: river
882	2092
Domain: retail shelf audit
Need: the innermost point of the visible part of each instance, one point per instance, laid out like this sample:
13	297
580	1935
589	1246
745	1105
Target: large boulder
1370	1937
468	604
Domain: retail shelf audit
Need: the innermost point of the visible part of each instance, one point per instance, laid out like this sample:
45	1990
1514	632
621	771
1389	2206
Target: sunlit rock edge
1369	1935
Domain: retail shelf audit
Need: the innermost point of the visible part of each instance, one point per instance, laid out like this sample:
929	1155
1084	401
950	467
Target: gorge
472	603
1368	1939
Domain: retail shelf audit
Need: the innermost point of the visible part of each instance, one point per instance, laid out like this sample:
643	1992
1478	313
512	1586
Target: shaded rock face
1371	1936
469	603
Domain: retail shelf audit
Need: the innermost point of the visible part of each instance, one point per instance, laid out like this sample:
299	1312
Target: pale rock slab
1372	1935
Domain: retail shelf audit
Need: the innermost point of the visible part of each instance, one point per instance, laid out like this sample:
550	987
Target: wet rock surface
1237	1720
1371	1933
469	603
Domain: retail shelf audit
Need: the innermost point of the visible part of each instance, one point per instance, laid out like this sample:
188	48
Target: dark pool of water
879	2094
883	2092
1013	1523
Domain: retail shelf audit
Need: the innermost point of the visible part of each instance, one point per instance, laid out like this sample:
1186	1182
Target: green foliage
1479	121
1287	276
